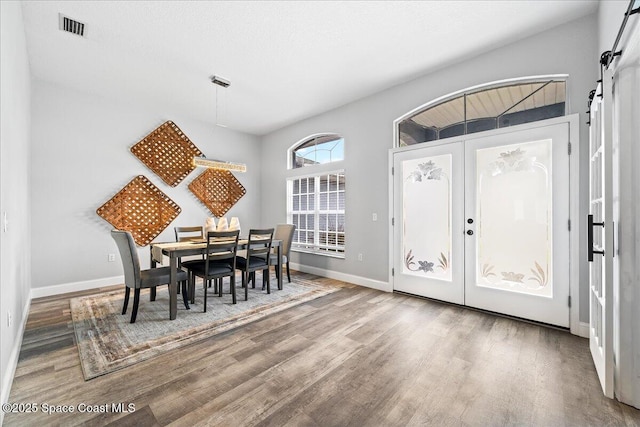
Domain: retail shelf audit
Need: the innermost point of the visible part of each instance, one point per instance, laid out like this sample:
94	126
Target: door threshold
506	316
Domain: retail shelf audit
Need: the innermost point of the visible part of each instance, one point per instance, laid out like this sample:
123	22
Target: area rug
108	342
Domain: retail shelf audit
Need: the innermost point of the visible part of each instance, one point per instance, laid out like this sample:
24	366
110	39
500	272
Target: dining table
176	250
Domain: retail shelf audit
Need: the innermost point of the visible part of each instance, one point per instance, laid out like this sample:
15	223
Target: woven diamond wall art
168	152
218	190
140	208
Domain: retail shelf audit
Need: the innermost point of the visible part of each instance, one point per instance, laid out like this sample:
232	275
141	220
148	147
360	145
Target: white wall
15	267
610	16
81	158
367	128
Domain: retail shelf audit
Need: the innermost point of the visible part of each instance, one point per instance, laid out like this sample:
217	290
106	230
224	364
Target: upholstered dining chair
258	249
284	233
219	262
137	279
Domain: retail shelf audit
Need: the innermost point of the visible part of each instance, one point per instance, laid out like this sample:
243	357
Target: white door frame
577	224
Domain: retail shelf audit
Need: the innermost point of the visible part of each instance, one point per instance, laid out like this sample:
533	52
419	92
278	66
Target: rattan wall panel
168	152
140	208
218	190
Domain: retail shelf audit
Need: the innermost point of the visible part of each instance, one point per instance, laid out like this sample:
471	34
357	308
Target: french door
429	189
517	247
484	222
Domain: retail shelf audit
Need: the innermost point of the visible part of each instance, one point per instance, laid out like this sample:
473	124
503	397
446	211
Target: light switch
374	217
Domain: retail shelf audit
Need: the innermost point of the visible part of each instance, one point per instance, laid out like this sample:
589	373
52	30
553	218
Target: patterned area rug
108	342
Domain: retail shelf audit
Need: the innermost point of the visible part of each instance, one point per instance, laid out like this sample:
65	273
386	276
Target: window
318	150
484	108
317	211
316	201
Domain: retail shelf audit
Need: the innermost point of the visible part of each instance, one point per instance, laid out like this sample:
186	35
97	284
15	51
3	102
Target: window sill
316	252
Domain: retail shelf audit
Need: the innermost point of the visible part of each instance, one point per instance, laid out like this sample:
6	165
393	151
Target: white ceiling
286	60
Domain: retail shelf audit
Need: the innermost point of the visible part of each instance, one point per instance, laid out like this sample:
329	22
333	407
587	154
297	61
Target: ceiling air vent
71	25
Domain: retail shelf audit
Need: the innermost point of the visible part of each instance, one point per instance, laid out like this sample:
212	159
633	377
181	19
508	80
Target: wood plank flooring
357	357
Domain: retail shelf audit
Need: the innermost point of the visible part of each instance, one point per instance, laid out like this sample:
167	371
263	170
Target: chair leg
192	288
253	279
245	285
152	294
205	293
232	286
190	279
288	272
220	287
185	295
265	276
126	299
136	302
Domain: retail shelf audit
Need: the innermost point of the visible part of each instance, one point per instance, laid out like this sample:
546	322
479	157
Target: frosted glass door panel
426	222
428	205
514	218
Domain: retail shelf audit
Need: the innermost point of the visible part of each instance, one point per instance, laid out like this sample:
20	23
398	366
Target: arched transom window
318	149
491	106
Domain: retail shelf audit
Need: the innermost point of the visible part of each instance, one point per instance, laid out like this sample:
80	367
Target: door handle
470	220
590	225
470	232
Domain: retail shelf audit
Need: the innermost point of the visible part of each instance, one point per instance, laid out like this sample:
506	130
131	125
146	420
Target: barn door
600	236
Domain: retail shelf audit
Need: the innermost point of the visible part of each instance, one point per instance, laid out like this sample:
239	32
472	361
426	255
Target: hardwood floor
355	357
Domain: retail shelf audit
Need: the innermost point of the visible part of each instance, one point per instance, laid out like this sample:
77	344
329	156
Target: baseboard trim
75	286
581	330
13	358
350	278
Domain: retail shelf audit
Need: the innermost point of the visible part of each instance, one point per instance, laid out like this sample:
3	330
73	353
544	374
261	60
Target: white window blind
317	209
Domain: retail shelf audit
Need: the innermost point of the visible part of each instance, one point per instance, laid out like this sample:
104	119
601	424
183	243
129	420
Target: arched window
316	194
490	106
318	149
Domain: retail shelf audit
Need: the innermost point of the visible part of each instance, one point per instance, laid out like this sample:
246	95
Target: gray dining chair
137	279
189	234
284	233
186	234
258	250
219	262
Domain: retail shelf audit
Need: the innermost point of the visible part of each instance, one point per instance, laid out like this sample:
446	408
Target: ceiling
286	60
